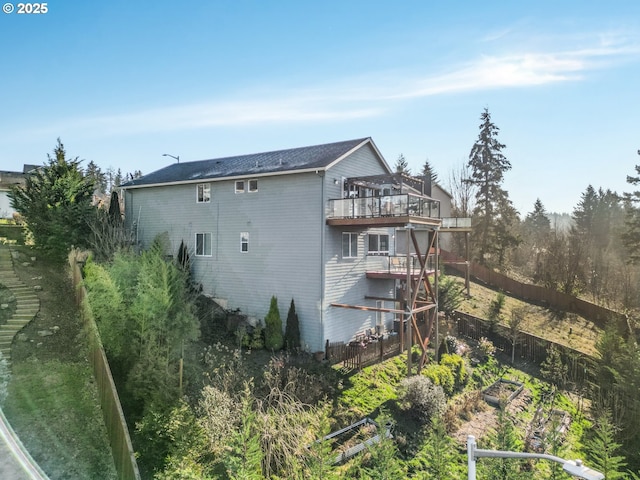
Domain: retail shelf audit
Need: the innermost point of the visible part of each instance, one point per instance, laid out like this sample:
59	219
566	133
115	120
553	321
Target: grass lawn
567	329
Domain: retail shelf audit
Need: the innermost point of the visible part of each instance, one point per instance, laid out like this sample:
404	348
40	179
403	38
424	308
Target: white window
203	244
378	244
244	242
253	185
349	245
203	193
239	186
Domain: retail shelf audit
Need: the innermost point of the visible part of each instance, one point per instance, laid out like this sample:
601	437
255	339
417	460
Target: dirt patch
483	423
58	314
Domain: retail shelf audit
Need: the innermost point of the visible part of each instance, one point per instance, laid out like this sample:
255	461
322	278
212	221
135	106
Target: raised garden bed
502	391
351	440
540	428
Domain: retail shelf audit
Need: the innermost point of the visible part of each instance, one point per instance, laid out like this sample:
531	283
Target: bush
273	339
292	330
423	399
441	376
487	348
455	363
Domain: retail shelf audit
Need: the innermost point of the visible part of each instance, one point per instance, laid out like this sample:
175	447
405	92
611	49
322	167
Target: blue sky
123	82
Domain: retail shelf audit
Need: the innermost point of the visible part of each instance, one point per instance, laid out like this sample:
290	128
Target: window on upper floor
239	186
203	193
253	185
203	244
349	245
244	242
378	244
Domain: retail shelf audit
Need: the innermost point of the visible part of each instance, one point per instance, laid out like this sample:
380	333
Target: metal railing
404	204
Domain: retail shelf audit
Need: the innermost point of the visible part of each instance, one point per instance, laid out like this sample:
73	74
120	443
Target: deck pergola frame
412	305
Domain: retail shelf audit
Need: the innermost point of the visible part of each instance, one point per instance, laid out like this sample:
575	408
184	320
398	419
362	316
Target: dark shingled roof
316	156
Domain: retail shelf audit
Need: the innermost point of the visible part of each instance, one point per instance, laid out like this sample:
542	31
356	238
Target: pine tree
504	437
631	235
244	461
273	339
56	204
603	448
402	166
429	172
292	330
493	212
437	459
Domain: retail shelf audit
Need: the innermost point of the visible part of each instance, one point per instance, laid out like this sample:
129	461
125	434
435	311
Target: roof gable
318	157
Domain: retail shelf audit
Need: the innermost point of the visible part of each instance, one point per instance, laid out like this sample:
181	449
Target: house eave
222	179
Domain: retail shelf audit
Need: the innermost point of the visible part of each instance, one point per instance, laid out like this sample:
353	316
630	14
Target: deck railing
404	204
455	222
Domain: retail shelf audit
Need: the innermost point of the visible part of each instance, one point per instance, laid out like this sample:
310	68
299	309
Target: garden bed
502	391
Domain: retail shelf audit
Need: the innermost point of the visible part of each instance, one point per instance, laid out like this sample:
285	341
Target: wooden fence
117	431
537	294
356	355
528	347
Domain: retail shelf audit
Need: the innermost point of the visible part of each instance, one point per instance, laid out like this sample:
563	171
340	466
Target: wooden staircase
27	303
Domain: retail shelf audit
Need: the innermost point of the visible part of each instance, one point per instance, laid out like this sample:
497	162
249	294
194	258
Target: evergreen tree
292	330
244	461
437	459
402	166
273	339
117	180
95	174
602	448
429	172
56	204
504	437
631	235
493	213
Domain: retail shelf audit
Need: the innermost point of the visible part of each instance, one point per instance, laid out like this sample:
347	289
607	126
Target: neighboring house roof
316	157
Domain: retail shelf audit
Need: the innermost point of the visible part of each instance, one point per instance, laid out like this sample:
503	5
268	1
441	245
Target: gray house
330	226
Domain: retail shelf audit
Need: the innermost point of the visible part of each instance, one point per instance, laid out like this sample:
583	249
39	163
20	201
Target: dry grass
565	328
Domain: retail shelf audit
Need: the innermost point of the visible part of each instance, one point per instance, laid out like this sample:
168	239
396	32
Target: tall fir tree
493	213
631	234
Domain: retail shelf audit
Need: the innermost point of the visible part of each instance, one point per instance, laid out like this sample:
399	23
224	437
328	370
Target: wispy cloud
367	96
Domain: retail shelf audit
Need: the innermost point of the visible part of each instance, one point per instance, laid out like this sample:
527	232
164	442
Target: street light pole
172	156
575	468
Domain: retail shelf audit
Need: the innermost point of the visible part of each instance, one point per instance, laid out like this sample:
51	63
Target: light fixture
172	156
335	181
575	468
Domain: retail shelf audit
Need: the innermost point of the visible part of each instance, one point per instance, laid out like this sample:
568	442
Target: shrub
487	347
494	313
441	376
422	398
273	339
455	363
292	330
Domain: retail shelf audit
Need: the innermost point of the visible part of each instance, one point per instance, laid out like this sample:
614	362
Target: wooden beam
370	309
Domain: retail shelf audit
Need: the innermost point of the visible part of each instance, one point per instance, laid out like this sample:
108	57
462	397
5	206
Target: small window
203	193
349	245
240	186
244	242
378	244
253	185
203	244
